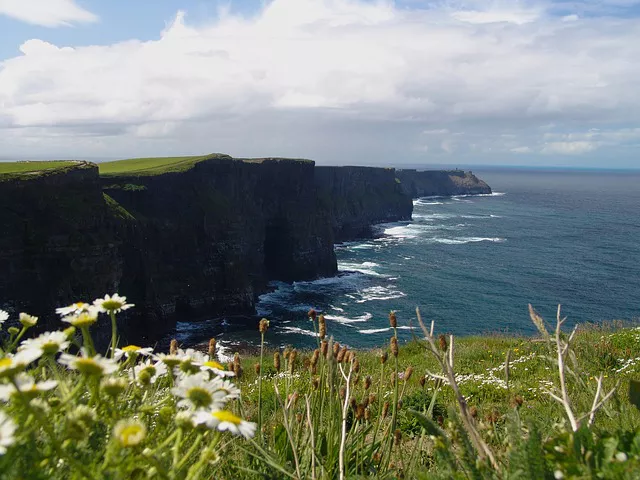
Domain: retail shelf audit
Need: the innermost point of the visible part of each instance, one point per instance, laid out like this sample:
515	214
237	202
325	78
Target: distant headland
188	237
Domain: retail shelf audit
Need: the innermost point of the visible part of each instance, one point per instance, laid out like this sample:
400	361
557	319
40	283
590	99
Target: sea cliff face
440	183
358	197
196	243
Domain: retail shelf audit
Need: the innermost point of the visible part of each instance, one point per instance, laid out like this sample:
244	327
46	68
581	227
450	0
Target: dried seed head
372	398
356	365
394	346
377	457
442	342
365	402
315	383
341	353
393	321
336	349
322	327
257	368
493	417
343	392
315	357
299	417
324	348
236	358
276	361
367	382
237	369
356	380
385	409
293	398
212	348
393	378
263	326
285	353
359	411
423	381
517	401
292	360
312	314
173	347
353	403
383	357
473	411
230	366
306	363
407	373
367	415
397	437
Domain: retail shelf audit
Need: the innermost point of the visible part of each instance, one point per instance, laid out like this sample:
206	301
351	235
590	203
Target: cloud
47	13
335	80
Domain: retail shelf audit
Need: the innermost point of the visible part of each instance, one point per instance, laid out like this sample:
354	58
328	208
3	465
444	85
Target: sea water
472	264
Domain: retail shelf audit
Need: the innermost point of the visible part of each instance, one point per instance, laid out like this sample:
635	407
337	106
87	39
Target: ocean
472	264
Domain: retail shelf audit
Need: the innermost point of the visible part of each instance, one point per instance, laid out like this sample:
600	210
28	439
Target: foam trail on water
382	330
346	320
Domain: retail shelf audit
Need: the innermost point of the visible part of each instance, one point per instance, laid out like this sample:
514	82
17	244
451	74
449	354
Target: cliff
440	183
355	198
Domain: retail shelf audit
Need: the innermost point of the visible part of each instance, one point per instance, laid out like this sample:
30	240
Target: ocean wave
464	240
337	309
382	330
366	268
346	320
297	330
423	201
378	292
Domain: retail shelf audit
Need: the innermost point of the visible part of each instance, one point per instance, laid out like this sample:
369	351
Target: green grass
35	167
152	166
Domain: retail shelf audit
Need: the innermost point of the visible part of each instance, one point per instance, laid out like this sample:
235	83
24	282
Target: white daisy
215	367
47	343
84	318
147	372
73	309
130	350
197	391
130	432
97	365
168	359
4	316
28	320
114	303
12	364
225	391
27	386
224	420
7	430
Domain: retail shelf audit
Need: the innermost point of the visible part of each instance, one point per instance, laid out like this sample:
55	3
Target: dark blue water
473	263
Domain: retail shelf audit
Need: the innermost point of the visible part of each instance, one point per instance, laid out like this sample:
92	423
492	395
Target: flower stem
114	333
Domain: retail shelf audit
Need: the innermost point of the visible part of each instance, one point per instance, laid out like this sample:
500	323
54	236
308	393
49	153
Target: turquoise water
472	264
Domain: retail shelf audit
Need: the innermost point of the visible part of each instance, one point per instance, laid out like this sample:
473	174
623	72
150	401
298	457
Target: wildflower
407	373
393	321
7	429
442	342
82	319
131	350
130	432
80	422
385	409
112	304
215	367
113	386
341	353
146	372
197	391
49	343
13	364
394	346
324	348
263	326
170	360
173	347
292	361
4	316
322	327
223	420
383	357
26	385
28	320
212	348
315	357
94	366
73	309
41	405
276	361
312	314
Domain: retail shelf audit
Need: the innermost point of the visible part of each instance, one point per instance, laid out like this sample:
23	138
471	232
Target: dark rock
441	183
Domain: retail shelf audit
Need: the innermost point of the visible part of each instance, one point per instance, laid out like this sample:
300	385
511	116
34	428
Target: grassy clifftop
153	165
34	169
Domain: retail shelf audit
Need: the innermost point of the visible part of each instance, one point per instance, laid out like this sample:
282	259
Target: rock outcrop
429	183
358	197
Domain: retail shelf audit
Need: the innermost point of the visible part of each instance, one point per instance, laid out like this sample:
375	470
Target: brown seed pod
473	411
299	417
397	437
236	358
377	457
341	354
407	373
372	398
367	415
257	368
324	348
517	401
276	361
173	347
315	357
315	383
263	326
385	409
393	378
359	411
343	392
306	363
365	402
423	381
394	346
356	380
442	342
237	369
285	353
322	327
367	382
212	348
383	357
356	365
292	360
493	417
336	349
312	314
393	321
353	403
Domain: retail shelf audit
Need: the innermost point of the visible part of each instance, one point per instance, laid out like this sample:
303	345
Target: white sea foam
337	309
378	292
382	330
299	331
346	320
366	268
464	240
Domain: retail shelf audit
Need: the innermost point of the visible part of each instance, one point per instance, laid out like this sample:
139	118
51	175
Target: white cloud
332	79
47	13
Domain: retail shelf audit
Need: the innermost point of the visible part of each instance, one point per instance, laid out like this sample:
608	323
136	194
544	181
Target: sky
375	82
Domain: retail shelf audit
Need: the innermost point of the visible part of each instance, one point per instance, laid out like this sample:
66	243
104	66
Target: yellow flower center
199	396
130	435
131	348
84	319
79	305
5	362
88	366
227	416
213	364
111	305
50	347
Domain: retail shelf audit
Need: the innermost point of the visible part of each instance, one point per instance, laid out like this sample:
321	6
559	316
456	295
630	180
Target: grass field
151	166
9	168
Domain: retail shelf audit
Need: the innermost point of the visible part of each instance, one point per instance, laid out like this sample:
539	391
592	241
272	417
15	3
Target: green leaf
634	393
426	423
